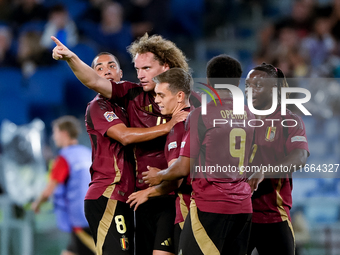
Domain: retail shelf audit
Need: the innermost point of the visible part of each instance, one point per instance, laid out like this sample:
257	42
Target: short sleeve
102	115
297	138
60	170
173	142
190	145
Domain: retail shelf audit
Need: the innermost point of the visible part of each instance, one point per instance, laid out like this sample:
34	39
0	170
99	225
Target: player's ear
180	96
121	73
166	67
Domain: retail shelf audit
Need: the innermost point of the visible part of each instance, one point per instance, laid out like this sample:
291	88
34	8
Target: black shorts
81	242
111	223
212	233
155	225
177	235
272	238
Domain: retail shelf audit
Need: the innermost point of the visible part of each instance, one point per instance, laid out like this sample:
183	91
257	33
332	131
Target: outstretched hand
150	177
60	51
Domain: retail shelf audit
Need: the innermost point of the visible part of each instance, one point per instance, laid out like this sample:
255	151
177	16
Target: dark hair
224	66
68	123
178	79
274	72
105	53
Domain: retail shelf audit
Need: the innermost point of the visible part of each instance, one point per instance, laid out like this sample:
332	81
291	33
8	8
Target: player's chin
148	88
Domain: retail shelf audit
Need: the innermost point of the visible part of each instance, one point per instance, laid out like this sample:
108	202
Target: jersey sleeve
191	144
297	138
173	142
60	170
102	115
121	92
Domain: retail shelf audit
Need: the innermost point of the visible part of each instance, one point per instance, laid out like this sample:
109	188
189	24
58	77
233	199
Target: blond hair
165	51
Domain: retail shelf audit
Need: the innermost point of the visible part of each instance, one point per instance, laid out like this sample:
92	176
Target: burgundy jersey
273	199
171	151
142	112
112	173
224	145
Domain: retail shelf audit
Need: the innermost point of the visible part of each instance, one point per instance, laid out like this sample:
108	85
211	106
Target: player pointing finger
60	51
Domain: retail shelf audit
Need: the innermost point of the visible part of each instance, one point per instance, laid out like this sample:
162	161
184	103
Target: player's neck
181	106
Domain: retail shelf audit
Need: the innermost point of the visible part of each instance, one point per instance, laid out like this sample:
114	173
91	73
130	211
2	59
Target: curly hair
165	51
274	72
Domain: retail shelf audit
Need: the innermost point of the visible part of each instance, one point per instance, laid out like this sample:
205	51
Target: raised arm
82	71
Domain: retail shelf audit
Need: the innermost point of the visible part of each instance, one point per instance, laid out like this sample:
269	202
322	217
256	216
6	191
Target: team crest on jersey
172	145
270	134
110	116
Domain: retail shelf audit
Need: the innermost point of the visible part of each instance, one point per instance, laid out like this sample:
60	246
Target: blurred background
302	37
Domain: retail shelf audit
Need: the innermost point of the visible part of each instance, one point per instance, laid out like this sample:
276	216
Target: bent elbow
125	140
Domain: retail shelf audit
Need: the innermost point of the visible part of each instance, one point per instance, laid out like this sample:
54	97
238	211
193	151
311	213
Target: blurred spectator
94	12
320	45
6	56
61	26
31	54
5	10
27	11
186	23
112	34
68	184
300	20
285	52
150	16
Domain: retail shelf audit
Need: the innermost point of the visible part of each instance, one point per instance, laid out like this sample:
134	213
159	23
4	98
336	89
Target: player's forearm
89	77
292	162
138	135
179	169
164	188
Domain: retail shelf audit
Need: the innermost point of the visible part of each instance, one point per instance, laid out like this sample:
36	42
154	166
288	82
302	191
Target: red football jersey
112	173
142	112
219	145
171	151
273	199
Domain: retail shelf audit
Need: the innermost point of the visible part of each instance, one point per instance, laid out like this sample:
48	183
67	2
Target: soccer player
152	56
277	145
220	212
112	170
68	183
173	88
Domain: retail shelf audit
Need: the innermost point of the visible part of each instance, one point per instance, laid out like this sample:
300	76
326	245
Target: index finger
58	43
